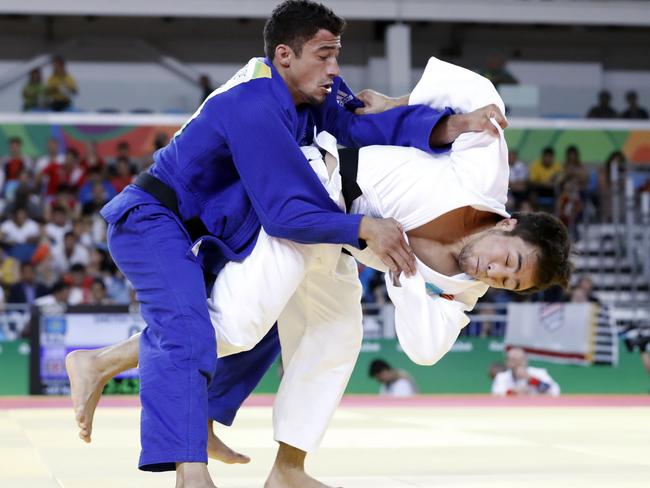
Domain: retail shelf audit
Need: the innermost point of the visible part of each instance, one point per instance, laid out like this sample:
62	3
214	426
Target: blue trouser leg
237	376
178	346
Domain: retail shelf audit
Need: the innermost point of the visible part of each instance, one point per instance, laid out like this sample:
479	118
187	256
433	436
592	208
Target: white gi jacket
414	188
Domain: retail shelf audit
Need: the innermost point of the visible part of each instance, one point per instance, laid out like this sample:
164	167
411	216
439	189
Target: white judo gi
313	291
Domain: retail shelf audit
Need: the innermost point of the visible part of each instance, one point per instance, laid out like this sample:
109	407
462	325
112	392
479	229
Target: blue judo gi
235	165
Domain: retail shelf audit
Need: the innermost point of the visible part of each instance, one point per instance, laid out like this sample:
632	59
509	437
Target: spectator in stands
123	174
69	174
82	232
20	229
71	253
586	284
61	86
80	283
544	175
22	193
394	382
570	206
58	295
65	197
633	110
16	162
574	169
160	141
603	110
92	160
497	73
518	177
639	340
58	227
123	151
34	92
53	156
522	380
88	192
495	369
206	87
98	294
28	289
9	269
611	182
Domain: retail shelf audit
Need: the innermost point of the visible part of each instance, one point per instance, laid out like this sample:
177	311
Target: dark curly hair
550	237
294	22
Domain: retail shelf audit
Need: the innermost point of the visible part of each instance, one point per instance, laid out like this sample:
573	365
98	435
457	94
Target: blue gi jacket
236	163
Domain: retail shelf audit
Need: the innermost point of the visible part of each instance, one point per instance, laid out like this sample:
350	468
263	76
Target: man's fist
375	102
385	237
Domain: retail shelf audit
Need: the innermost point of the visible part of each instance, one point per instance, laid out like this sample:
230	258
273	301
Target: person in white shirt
72	252
393	382
58	227
53	156
518	177
519	379
452	207
20	229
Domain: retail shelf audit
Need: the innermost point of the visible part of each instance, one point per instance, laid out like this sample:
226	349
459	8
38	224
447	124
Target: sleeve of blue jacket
408	126
286	194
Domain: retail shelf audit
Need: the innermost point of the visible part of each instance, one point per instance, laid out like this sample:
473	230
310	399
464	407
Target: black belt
156	188
349	163
167	197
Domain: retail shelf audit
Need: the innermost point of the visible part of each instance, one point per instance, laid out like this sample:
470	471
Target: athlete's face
310	76
499	259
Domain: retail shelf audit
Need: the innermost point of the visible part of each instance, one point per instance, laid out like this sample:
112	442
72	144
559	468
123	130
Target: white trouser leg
248	297
320	333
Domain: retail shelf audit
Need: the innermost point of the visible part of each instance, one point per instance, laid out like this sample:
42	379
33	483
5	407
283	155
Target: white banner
559	332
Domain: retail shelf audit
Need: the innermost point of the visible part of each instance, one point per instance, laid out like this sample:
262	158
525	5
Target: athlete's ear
283	55
506	224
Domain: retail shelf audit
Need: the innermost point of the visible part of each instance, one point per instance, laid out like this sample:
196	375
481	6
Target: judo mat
428	441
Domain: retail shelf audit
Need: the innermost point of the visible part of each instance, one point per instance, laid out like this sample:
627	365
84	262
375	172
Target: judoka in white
314	293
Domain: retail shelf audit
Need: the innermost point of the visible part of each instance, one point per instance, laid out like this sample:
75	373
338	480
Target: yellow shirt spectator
542	174
9	271
60	86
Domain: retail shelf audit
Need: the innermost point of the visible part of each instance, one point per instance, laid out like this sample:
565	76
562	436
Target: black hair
378	366
551	239
294	22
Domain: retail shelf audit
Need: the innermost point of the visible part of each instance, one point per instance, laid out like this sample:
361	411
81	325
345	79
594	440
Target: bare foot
193	475
221	452
291	478
86	386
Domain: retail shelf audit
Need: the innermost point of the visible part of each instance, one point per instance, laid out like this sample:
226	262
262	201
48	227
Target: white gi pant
314	293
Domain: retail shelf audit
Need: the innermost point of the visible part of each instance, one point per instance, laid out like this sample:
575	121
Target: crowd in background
52	237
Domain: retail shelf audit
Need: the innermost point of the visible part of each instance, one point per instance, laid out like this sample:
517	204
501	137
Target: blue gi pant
237	376
178	346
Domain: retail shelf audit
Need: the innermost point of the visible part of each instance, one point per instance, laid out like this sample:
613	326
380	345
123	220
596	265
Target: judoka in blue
235	165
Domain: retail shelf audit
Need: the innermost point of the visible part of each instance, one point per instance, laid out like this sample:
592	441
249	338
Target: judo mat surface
430	441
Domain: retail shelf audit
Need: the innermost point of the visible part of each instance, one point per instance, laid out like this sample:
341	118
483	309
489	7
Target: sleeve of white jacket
427	326
502	383
479	159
